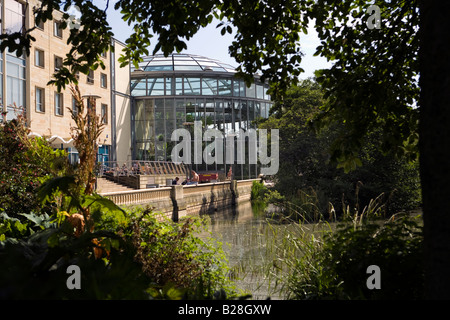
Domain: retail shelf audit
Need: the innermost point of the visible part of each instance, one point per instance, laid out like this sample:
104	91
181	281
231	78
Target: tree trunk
435	144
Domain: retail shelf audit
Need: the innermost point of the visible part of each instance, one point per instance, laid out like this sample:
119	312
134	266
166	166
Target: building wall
121	107
20	77
48	123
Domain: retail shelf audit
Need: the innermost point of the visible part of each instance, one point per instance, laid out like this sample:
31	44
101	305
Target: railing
135	167
139	196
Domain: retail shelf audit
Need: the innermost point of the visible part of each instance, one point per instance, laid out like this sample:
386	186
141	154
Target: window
58	63
59	104
103	80
39	58
74	106
90	77
40	99
39	25
104	113
15	81
57	31
14	16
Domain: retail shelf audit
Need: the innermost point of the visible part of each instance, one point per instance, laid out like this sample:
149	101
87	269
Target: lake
250	244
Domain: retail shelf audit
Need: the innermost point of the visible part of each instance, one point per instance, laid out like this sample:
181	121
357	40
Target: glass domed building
173	92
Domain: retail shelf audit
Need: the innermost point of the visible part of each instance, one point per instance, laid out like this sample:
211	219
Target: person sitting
175	181
194	178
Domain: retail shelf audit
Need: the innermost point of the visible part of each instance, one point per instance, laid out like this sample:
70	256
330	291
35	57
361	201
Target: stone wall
178	201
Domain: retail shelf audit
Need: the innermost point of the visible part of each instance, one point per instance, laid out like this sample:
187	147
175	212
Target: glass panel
188	68
210	114
169	86
245	108
190	111
155	86
251	92
200	111
219	115
225	87
185	62
180	113
192	86
138	87
242	88
236	88
228	116
209	86
158	68
178	86
159	130
259	91
14	16
237	116
169	115
266	95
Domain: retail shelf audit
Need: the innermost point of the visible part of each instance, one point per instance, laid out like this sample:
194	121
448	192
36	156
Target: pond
251	244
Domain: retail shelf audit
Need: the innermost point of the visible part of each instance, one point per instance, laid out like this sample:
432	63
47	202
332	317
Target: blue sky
210	43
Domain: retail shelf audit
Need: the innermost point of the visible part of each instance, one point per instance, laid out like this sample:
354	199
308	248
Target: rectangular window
103	80
59	104
14	16
104	113
58	63
90	77
40	99
57	31
39	58
15	81
74	106
39	25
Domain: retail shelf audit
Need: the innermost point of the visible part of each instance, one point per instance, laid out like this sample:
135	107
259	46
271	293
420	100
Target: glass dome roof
183	62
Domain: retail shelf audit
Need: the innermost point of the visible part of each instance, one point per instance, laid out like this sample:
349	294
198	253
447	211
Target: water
244	236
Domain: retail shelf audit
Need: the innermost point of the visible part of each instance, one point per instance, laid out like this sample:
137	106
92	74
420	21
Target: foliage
266	35
25	163
373	82
308	177
129	256
336	266
170	253
88	42
258	190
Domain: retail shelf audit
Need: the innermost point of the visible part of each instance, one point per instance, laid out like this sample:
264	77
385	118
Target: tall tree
394	77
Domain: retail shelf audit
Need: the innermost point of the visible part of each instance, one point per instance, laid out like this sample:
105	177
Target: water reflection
243	234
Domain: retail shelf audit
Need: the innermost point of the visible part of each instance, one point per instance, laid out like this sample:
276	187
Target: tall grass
303	259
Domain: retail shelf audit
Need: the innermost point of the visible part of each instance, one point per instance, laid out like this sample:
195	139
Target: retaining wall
178	201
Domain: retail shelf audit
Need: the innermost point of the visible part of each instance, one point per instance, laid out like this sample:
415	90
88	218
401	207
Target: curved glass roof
183	62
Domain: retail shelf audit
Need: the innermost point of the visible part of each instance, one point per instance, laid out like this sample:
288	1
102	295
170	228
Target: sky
208	42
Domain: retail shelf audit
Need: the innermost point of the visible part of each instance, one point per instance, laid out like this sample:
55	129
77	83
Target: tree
373	82
306	160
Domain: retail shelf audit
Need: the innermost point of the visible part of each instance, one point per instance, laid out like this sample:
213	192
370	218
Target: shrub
337	267
170	253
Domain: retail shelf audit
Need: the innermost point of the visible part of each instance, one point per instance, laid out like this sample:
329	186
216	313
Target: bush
25	163
337	267
170	253
129	255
